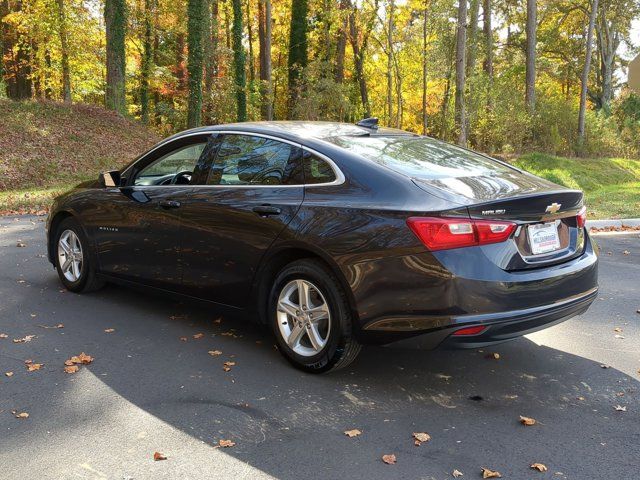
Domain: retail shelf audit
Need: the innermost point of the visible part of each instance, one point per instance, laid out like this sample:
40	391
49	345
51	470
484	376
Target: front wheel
311	319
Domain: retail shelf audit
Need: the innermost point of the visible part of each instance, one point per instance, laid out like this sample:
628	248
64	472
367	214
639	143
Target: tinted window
246	160
183	159
421	157
317	170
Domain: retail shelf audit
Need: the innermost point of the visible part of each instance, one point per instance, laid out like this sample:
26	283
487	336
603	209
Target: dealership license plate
543	238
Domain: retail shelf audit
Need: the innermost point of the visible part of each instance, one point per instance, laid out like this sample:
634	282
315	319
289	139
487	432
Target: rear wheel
73	260
311	319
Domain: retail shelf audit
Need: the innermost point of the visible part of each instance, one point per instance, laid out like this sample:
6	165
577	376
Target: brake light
440	233
470	330
581	218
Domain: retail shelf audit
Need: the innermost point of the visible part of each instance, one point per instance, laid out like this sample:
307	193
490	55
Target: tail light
581	218
439	233
470	330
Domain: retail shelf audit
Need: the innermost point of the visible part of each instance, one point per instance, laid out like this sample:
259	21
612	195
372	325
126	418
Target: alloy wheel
70	255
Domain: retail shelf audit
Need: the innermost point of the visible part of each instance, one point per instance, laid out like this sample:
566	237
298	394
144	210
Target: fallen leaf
626	252
620	408
26	339
215	353
159	456
457	473
496	356
21	244
3	335
389	459
527	421
34	366
218	320
20	415
486	473
226	443
420	438
621	337
183	339
226	366
605	366
9	374
198	336
617	329
539	466
109	330
352	433
71	369
60	325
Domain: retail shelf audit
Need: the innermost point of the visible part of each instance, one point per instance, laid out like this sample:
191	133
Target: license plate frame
543	238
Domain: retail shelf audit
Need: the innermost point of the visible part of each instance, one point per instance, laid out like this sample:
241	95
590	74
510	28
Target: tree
488	39
64	52
531	29
472	47
115	21
264	38
4	7
239	60
425	19
297	49
359	46
390	26
147	60
461	45
585	72
195	35
341	45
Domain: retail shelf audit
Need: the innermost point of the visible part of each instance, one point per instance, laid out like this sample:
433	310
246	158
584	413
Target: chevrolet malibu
334	236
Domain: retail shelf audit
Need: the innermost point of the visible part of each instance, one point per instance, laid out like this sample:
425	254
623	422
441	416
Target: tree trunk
585	72
341	45
474	14
115	12
264	37
195	21
488	39
608	44
147	59
461	41
239	60
531	29
64	52
358	61
390	13
297	50
3	11
425	18
252	75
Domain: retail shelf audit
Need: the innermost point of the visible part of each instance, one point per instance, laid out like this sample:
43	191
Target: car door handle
169	204
266	210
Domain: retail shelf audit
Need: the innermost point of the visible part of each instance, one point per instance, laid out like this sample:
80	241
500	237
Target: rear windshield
422	157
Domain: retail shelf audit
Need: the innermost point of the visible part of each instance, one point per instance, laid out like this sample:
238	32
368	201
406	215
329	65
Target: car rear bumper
500	327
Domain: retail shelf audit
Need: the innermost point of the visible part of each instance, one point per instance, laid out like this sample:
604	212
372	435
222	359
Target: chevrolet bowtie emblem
553	208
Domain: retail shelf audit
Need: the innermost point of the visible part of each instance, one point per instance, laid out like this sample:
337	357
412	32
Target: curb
615	223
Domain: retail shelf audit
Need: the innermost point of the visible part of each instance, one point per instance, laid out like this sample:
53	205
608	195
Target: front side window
175	167
252	160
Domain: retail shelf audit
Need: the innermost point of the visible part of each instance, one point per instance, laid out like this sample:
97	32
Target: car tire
332	328
71	245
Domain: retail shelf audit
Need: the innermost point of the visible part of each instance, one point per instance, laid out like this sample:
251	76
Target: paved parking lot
148	390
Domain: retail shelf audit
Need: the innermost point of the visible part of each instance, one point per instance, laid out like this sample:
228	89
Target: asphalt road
147	390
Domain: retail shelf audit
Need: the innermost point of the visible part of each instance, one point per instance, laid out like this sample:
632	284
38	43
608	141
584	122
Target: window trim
339	180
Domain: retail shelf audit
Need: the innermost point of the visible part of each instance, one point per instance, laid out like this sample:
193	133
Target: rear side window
316	170
252	160
422	157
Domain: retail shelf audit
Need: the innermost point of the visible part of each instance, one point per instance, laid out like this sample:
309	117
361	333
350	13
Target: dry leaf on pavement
527	421
352	433
21	244
71	369
109	330
26	339
183	339
486	473
617	329
457	473
198	336
60	325
83	359
539	466
34	366
226	443
420	438
159	456
9	374
620	408
389	459
227	365
215	353
20	415
3	335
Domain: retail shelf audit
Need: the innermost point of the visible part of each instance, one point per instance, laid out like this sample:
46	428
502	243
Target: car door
138	230
254	189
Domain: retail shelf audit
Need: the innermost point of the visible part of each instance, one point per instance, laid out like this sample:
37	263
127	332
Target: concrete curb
616	223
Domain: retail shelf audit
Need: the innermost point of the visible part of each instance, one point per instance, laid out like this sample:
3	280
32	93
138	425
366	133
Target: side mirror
110	179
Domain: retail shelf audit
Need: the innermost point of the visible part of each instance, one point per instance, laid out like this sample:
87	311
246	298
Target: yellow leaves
487	473
352	433
527	421
71	365
539	467
157	456
26	339
19	414
420	438
226	366
109	330
226	443
31	367
389	459
198	336
71	369
457	473
214	353
8	374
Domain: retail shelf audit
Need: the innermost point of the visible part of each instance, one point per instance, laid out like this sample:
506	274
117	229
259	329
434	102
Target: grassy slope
46	147
611	185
